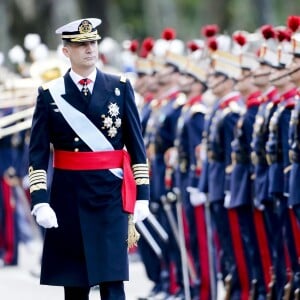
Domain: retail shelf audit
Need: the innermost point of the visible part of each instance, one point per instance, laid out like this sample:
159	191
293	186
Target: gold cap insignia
85	27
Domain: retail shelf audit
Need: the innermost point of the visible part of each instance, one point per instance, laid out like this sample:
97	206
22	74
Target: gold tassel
133	235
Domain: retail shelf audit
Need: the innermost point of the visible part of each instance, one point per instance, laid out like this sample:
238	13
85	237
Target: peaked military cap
83	30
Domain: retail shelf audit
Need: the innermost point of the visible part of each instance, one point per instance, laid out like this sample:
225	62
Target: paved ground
17	283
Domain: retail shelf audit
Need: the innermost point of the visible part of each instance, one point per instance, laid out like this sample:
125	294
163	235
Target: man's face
279	77
216	83
185	83
261	75
82	55
244	82
164	76
295	70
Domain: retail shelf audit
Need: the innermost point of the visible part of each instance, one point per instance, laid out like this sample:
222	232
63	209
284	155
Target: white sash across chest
79	122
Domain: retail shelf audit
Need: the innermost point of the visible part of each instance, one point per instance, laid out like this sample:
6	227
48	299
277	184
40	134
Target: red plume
268	31
134	45
147	46
284	34
210	30
168	34
212	44
293	22
240	39
193	46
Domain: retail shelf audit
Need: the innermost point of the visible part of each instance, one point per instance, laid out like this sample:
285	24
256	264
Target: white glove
141	210
196	197
45	215
227	199
25	182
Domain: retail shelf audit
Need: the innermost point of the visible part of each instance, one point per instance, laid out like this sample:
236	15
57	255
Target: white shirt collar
76	78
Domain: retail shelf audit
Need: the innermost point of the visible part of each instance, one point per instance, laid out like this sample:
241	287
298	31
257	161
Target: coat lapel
73	96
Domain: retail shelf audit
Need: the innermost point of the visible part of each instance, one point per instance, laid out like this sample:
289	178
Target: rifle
253	293
210	249
183	253
178	233
272	289
149	239
228	283
158	228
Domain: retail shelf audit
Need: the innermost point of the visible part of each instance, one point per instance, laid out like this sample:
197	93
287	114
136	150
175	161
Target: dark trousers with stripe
8	227
152	263
113	290
274	215
251	248
220	219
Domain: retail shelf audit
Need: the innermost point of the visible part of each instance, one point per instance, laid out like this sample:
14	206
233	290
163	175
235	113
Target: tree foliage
137	19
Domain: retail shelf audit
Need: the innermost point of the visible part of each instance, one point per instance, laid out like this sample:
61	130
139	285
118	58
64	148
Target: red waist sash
103	160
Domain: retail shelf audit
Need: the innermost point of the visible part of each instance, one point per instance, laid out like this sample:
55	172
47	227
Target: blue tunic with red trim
240	181
219	138
90	244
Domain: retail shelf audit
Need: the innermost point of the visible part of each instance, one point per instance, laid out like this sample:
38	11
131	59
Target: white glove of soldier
196	197
45	215
227	199
25	182
141	210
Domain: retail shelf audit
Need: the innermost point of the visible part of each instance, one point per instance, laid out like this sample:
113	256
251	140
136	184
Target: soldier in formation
230	150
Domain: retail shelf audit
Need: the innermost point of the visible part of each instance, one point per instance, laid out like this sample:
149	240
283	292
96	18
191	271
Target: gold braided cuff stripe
141	173
140	181
37	187
37	179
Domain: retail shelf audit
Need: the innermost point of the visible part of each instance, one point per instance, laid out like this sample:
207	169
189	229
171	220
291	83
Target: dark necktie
84	82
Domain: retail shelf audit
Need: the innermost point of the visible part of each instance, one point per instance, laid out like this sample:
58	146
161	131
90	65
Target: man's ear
65	51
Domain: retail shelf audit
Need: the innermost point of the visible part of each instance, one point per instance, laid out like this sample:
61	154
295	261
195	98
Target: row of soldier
222	135
18	96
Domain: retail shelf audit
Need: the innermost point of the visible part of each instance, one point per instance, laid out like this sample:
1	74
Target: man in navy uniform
263	210
241	184
277	148
163	121
8	221
188	137
294	199
218	135
90	118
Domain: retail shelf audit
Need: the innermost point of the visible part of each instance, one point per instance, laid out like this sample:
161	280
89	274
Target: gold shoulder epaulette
234	107
287	169
269	105
225	111
123	78
199	108
229	169
180	100
154	103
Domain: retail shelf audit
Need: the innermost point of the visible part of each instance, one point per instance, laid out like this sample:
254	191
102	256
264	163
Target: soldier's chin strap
280	77
294	71
262	74
219	83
